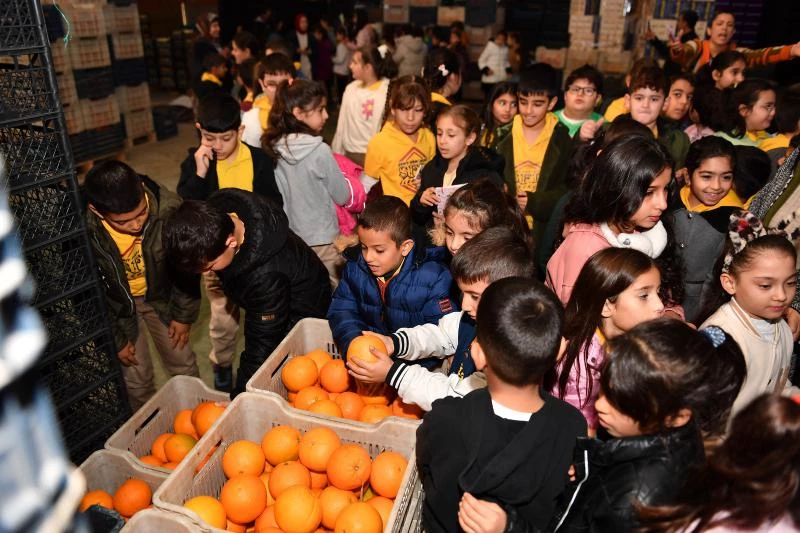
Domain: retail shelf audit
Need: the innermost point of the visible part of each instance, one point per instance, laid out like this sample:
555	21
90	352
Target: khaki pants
223	323
332	260
178	361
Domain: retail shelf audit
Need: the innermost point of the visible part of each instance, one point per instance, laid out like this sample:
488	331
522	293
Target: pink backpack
358	196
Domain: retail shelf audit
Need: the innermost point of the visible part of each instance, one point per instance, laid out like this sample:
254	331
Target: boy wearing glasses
582	94
269	73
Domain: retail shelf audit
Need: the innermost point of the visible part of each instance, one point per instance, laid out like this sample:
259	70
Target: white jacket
496	58
252	127
418	385
409	55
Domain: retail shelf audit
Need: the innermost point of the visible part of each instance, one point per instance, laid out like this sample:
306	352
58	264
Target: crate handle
147	421
279	366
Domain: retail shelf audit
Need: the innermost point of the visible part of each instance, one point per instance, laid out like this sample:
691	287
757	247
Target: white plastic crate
249	417
100	113
122	19
108	469
133	97
136	436
127	45
58	50
138	123
67	91
154	520
86	19
73	118
89	53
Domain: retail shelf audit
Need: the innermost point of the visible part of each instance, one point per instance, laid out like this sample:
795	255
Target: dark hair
493	254
464	117
246	71
245	40
752	478
212	60
112	187
389	214
662	366
649	77
299	93
603	278
718	12
745	94
498	90
639	65
540	78
681	76
719	63
787	113
690	16
275	63
195	234
485	205
404	92
437	62
219	112
519	329
586	72
707	148
710	104
752	171
384	67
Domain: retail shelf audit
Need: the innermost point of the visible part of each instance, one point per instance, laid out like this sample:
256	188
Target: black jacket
612	475
193	187
275	277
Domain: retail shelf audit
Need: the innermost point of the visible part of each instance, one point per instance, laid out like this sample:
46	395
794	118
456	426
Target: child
752	481
404	145
458	161
263	266
657	379
583	91
787	124
388	283
307	174
125	220
269	73
759	274
727	69
708	108
214	70
493	254
322	59
616	290
617	107
700	214
501	108
410	50
245	73
679	98
752	171
619	204
511	442
342	58
750	112
493	63
360	115
442	72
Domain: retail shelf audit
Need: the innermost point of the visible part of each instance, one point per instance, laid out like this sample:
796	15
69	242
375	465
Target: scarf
651	242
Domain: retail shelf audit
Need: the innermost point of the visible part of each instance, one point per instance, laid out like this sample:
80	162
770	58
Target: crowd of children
598	312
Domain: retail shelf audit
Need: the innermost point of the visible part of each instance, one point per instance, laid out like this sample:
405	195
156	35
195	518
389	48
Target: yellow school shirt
776	141
528	158
615	109
130	250
207	76
436	97
729	200
264	106
238	173
395	160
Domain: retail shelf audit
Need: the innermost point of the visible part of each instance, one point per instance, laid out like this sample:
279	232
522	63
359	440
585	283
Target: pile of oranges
189	425
318	383
295	483
131	497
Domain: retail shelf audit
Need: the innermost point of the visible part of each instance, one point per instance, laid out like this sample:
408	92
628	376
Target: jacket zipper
577	490
119	279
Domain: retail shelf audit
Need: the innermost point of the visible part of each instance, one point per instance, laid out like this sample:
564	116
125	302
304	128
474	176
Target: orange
151	460
291	397
359	517
297	510
265	479
351	404
332	501
204	416
334	377
266	520
178	446
406	410
243	457
317	446
359	348
287	475
236	528
374	413
280	444
319	480
349	467
209	510
171	465
383	506
375	393
320	357
309	396
132	496
298	373
183	423
96	497
387	473
327	408
157	447
244	497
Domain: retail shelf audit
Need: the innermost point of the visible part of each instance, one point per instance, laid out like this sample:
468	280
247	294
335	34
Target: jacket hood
683	443
413	44
295	147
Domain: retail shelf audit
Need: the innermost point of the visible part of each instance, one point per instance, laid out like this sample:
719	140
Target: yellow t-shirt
776	141
130	250
729	200
207	76
263	104
528	158
395	160
436	97
615	109
238	173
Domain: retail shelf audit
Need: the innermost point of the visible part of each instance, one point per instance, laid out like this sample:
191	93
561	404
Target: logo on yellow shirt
408	168
527	176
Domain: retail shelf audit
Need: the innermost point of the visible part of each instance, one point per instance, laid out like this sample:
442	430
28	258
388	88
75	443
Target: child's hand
793	319
429	197
178	334
374	372
202	159
795	51
385	339
478	516
589	129
127	355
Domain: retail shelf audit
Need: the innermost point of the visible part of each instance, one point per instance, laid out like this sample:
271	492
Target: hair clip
382	49
715	335
443	70
743	229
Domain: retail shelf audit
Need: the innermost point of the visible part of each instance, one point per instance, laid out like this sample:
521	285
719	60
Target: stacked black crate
166	74
79	364
181	44
150	49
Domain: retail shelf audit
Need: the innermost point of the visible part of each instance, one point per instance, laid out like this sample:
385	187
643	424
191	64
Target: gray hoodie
409	55
310	182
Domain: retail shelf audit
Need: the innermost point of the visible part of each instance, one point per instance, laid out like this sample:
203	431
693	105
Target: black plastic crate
59	268
46	212
21	25
130	71
94	83
34	153
72	320
107	140
26	91
81	144
52	22
164	122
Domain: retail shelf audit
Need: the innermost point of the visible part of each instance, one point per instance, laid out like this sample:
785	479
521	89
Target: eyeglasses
588	91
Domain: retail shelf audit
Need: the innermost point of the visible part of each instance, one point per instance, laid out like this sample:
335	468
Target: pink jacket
358	196
577	390
582	242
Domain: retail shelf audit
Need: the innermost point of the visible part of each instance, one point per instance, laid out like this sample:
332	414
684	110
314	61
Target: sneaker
223	378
